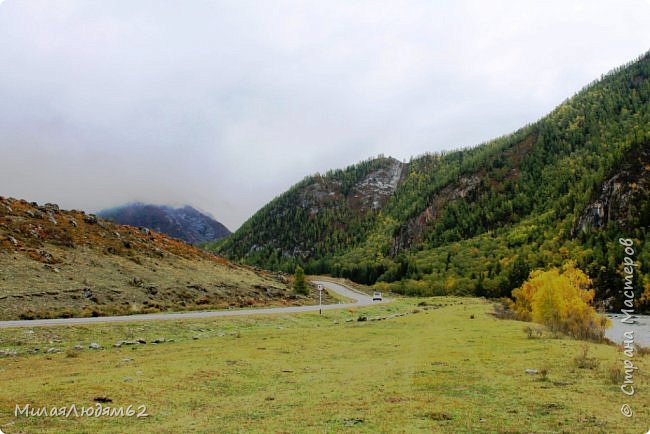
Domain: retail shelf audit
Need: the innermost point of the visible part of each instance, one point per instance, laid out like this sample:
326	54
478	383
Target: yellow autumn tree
561	300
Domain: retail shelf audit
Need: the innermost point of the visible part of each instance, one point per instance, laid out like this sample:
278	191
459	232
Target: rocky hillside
624	198
477	220
184	223
322	215
56	263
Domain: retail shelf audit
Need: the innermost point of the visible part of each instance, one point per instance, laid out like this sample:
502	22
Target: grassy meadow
432	365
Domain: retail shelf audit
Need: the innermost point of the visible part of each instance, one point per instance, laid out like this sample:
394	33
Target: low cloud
223	105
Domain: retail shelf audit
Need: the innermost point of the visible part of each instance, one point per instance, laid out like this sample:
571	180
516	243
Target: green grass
435	370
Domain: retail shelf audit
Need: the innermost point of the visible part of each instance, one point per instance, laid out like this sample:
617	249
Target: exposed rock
197	287
375	189
121	343
51	268
35	231
619	194
91	219
273	292
414	229
532	371
45	256
50	208
352	422
94	346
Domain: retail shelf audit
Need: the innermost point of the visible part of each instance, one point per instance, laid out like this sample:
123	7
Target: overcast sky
224	105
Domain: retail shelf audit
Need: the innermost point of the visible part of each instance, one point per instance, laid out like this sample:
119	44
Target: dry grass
53	263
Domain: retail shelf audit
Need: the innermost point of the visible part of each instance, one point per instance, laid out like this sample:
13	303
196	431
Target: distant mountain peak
185	223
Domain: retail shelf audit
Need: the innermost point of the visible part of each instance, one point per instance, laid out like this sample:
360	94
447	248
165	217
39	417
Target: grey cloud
224	104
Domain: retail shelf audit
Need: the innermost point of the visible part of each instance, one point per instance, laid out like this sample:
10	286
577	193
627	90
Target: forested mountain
321	216
184	223
476	221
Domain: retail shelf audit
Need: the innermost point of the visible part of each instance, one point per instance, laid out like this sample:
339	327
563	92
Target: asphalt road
361	300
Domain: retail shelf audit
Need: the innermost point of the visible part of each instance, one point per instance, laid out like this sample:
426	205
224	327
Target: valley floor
415	365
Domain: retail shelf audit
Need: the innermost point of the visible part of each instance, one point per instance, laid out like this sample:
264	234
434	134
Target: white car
376	296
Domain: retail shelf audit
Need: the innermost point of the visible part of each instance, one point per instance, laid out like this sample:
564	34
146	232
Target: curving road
361	300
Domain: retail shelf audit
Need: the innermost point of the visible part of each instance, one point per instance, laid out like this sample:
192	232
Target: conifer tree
299	282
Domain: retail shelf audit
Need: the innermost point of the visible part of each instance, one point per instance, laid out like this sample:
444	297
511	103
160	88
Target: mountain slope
322	215
184	223
56	263
478	220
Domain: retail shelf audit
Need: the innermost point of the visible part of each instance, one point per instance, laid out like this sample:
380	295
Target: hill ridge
517	199
58	263
185	222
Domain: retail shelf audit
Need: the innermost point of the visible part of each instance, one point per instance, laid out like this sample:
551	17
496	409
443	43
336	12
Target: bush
544	371
533	332
615	374
641	351
560	299
71	353
583	361
502	310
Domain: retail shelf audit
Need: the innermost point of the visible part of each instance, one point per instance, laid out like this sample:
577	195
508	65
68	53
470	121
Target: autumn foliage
561	300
